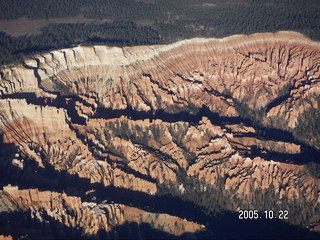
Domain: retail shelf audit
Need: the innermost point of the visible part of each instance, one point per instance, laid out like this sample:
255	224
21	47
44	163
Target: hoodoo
98	136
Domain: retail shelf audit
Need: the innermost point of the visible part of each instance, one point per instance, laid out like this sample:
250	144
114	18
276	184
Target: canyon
166	136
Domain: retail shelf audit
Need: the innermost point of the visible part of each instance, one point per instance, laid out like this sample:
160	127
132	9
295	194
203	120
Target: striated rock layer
236	116
88	217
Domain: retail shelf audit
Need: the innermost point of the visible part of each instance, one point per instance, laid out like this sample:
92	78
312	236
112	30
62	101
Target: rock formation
237	114
90	217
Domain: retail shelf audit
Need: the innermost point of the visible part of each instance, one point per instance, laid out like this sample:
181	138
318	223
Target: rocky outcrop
226	112
251	69
91	217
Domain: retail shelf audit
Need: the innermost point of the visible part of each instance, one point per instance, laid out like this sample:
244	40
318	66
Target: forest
133	22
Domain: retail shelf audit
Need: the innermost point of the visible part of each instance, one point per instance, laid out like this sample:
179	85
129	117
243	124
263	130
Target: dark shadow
132	230
60	102
226	225
6	149
308	154
20	225
280	99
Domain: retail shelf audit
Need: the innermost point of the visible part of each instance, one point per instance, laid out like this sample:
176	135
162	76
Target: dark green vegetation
308	130
214	201
306	133
196	204
308	127
57	36
156	22
314	169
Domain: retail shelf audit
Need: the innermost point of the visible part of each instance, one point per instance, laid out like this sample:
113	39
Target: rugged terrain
170	136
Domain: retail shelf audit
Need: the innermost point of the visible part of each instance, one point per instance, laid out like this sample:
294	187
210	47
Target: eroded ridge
229	121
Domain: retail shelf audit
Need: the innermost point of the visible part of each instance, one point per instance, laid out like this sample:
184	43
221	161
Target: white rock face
112	62
58	108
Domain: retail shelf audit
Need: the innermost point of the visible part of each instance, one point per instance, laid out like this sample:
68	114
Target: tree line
14	49
165	21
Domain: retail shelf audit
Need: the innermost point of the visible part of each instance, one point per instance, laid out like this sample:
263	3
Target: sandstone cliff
88	217
238	114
